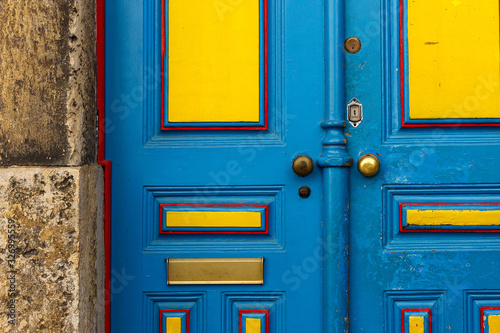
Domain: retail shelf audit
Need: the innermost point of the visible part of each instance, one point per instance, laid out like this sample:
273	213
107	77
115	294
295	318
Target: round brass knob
368	165
303	165
352	45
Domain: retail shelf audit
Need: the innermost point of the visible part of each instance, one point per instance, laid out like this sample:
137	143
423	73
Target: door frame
101	132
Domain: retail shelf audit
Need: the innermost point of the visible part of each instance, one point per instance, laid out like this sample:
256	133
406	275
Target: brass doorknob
368	165
303	165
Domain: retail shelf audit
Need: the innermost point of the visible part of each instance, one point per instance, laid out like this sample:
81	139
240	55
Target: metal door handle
368	165
303	165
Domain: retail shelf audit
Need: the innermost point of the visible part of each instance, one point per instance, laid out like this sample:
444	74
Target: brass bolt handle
303	165
368	165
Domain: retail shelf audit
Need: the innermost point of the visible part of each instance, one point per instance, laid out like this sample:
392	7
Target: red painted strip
163	36
174	310
253	311
213	232
266	82
401	62
403	311
440	204
452	125
484	308
100	54
402	76
211	128
199	128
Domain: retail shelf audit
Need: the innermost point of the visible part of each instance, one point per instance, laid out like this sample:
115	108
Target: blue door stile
335	163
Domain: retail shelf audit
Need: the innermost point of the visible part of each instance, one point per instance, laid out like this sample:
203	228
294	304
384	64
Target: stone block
47	86
51	249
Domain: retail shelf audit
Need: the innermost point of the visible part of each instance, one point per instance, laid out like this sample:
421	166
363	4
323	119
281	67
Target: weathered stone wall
47	106
48	249
51	193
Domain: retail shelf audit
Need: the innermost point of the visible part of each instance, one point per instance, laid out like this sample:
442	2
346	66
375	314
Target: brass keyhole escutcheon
303	165
368	165
352	45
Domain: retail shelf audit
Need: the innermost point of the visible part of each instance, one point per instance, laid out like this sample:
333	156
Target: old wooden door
208	104
424	245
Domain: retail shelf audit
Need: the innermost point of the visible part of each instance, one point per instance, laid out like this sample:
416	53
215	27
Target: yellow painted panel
453	217
214	219
417	325
454	63
494	324
213	61
174	325
253	325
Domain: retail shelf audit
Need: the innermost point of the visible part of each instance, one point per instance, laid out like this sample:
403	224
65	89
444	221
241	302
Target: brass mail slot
215	271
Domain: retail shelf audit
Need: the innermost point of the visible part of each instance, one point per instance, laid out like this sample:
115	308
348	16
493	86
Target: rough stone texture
53	215
51	230
47	90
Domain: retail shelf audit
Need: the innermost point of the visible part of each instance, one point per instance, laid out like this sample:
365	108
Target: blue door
424	242
213	129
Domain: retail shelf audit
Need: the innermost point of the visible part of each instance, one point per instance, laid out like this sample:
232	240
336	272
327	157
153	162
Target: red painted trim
100	53
163	48
482	314
266	79
402	61
253	311
403	311
213	232
174	310
402	83
441	204
452	125
199	128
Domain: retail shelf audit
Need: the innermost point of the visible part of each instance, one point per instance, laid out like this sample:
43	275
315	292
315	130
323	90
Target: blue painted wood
190	303
475	301
452	164
399	305
270	305
335	161
151	166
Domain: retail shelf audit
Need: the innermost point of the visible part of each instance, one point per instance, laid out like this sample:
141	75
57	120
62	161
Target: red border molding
241	312
482	314
442	203
403	311
100	54
174	310
198	128
402	83
213	232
